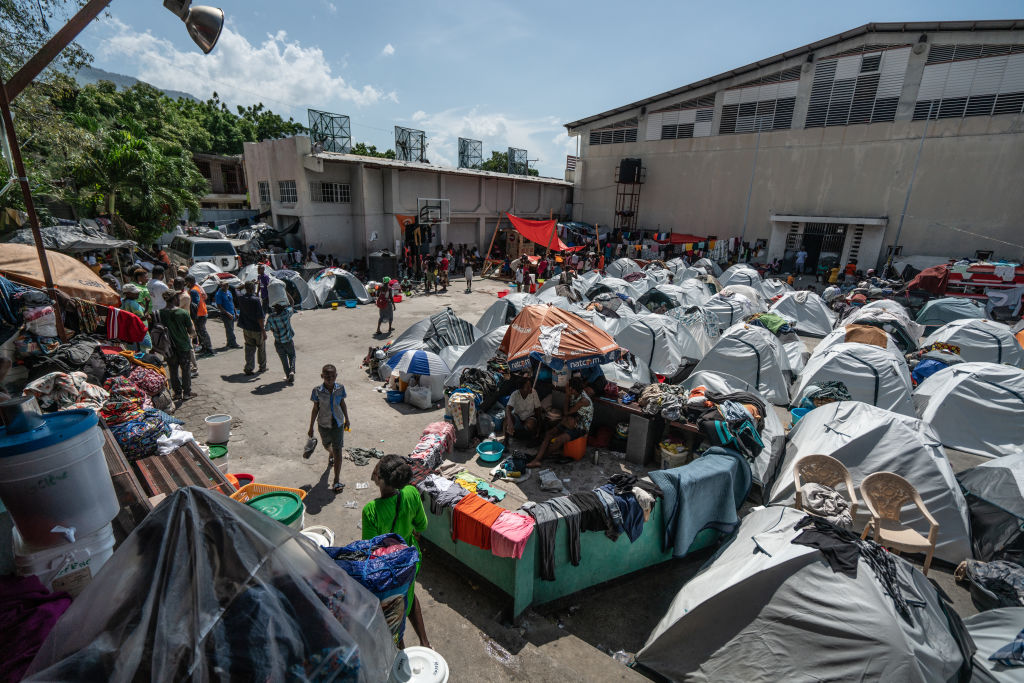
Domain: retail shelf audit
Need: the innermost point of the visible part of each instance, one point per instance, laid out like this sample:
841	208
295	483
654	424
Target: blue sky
508	73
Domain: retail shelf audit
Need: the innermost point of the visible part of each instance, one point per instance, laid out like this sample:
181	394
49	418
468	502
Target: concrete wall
967	171
379	191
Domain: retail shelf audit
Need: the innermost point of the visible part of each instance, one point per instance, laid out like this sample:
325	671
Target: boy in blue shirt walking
330	415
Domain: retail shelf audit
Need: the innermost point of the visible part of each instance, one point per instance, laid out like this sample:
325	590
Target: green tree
498	163
26	25
364	150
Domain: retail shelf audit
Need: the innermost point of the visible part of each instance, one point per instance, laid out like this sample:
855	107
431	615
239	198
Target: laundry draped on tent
20	263
556	338
540	232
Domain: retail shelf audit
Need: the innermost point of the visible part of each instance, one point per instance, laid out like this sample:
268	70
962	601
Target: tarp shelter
991	630
201	270
435	332
873	375
206	588
558	339
20	263
663	343
298	289
938	312
754	355
476	355
763	468
504	310
622	267
544	233
335	284
975	407
808	313
995	497
73	238
731	308
765	610
980	340
210	283
867	439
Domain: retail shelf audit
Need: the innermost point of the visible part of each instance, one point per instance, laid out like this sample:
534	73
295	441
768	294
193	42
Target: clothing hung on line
472	519
842	549
125	326
546	525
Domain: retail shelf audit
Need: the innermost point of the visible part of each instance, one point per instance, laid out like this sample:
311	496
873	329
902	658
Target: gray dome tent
873	375
980	340
298	289
614	285
990	631
752	354
975	407
476	355
622	267
995	497
336	284
773	287
867	439
765	609
435	333
938	312
504	310
731	308
741	274
663	343
807	312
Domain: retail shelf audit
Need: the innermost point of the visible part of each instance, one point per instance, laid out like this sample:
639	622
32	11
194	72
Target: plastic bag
41	321
418	396
207	588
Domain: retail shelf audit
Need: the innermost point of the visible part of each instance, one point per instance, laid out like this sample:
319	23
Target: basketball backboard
434	210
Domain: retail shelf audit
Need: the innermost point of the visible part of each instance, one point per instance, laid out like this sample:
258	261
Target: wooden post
487	258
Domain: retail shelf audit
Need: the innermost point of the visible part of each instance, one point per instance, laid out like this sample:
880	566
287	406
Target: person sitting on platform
574	424
522	414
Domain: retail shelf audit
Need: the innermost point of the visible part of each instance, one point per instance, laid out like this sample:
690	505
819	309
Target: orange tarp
534	333
20	263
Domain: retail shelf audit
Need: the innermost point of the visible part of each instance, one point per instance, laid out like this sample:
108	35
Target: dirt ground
466	619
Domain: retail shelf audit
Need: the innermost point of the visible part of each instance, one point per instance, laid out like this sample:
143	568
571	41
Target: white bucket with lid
320	535
53	474
218	428
67	567
418	664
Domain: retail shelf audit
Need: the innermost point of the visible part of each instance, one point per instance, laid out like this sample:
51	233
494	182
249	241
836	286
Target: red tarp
680	238
932	280
540	232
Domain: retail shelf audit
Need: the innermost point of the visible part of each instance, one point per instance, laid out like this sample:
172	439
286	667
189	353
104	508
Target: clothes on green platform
482	488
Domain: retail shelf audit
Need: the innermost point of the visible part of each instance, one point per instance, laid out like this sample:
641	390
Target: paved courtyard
466	619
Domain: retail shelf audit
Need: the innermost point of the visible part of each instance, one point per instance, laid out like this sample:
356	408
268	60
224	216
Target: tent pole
487	258
30	207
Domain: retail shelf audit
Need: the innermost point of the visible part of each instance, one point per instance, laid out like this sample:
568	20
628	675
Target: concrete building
825	139
226	175
346	204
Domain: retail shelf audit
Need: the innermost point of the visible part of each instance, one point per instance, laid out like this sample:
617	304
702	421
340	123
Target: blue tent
938	312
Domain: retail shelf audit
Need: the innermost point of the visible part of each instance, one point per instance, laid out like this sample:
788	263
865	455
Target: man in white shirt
522	414
157	287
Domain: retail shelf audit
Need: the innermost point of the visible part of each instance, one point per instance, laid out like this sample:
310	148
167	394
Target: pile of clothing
622	505
483	384
928	360
732	421
437	441
668	400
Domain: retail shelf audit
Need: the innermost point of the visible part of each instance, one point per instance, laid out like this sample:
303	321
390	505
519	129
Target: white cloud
282	73
544	138
331	7
388	50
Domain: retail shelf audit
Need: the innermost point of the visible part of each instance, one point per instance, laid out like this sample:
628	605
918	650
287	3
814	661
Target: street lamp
204	25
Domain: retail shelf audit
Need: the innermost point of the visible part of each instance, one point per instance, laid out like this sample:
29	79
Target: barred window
332	193
264	187
286	192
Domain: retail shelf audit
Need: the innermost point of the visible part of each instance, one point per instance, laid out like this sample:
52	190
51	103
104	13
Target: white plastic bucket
320	535
418	664
218	428
66	567
55	476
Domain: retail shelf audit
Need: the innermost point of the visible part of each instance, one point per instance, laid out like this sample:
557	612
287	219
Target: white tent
868	439
938	312
904	331
765	610
975	407
773	435
838	336
435	332
250	272
991	630
502	311
622	267
748	291
475	355
808	313
200	271
297	288
752	354
888	305
980	340
773	287
627	371
663	343
730	308
335	284
741	274
615	286
685	294
873	375
210	283
656	274
709	266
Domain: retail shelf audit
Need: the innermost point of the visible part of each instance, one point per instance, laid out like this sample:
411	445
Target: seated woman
522	414
574	424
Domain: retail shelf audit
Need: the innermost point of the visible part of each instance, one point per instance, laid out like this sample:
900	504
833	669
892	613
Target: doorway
823	243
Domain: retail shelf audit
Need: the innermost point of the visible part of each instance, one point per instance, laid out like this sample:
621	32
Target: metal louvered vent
971	80
857	87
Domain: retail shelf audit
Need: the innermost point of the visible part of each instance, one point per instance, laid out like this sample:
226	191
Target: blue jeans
286	352
229	329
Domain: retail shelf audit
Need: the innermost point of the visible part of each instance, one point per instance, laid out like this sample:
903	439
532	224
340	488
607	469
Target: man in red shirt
444	272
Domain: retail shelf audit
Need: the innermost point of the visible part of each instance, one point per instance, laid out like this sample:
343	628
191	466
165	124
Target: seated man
594	380
574	424
522	414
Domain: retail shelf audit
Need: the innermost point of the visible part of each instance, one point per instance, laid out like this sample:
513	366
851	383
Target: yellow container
250	491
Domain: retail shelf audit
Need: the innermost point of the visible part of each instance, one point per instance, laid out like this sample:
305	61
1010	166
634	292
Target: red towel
472	519
125	326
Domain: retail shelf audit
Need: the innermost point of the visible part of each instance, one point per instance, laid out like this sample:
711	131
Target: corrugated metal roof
894	27
434	168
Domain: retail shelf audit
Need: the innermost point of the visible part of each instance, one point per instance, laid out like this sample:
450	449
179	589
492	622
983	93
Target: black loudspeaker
629	171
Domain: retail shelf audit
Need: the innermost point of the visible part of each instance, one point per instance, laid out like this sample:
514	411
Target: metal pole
30	207
750	189
910	188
